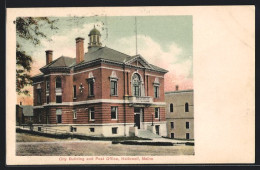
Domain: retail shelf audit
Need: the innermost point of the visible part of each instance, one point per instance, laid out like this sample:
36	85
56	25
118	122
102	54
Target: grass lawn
23	137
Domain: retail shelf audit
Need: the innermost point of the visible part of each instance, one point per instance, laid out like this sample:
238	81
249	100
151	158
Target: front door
137	120
157	129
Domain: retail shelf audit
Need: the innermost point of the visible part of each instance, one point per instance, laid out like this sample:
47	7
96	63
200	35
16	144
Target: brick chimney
48	56
79	49
176	87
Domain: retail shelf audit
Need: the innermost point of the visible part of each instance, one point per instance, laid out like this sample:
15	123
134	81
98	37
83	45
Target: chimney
79	49
48	56
21	103
176	87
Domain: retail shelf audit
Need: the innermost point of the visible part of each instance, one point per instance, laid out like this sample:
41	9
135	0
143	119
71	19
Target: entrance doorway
137	120
138	116
157	129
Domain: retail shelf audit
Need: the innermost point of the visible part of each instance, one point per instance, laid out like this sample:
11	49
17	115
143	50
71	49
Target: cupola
94	40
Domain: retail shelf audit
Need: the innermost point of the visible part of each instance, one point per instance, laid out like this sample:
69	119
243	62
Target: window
113	112
39	101
172	135
40	118
186	107
47	85
58	82
73	129
156	91
187	136
113	87
157	112
91	88
58	99
74	114
47	99
136	80
114	130
92	129
172	125
74	91
171	107
187	125
58	115
91	113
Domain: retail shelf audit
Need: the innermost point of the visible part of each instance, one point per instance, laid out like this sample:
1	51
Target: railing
46	130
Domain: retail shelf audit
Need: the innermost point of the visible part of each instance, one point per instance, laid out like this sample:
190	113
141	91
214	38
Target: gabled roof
27	110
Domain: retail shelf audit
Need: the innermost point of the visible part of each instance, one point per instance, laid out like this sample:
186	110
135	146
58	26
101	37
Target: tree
28	29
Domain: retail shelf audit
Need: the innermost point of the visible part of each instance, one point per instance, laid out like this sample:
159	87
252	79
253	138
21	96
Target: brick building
102	92
180	114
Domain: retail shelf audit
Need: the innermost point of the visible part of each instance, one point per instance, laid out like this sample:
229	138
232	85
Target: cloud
171	60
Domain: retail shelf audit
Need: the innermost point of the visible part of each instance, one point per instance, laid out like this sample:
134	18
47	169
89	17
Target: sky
165	41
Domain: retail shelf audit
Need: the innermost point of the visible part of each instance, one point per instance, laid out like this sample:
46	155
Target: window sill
91	96
114	95
92	120
114	119
74	98
74	118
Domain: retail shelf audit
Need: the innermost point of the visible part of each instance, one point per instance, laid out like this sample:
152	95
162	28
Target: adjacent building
102	92
180	114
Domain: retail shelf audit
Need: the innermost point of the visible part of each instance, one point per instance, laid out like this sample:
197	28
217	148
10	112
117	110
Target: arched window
171	107
186	107
136	80
58	82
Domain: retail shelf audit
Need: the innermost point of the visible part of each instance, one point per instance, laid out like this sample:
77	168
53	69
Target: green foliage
28	29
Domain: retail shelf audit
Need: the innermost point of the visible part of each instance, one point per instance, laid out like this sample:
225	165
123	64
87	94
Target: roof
61	62
179	91
104	53
27	110
94	31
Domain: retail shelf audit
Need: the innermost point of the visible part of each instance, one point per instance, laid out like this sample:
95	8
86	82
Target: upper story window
186	107
113	112
172	125
171	107
91	81
156	91
74	91
39	94
91	114
58	82
157	112
113	83
58	99
136	81
187	125
156	85
47	85
39	97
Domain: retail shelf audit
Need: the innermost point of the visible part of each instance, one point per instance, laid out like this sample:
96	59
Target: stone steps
147	134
